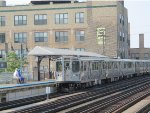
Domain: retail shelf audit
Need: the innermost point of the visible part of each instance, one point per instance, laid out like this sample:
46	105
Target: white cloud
17	2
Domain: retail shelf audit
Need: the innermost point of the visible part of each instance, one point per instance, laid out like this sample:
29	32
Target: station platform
138	106
9	92
9	86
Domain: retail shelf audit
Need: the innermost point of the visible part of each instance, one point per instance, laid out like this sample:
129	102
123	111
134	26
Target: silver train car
76	69
74	72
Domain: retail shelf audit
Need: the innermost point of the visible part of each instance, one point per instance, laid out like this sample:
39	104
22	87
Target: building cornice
62	8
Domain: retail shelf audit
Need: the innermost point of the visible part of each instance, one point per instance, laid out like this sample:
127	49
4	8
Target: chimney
141	40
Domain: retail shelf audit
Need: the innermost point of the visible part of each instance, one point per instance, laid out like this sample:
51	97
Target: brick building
141	52
96	26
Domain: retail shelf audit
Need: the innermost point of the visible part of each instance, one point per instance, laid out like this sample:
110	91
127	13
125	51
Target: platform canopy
46	51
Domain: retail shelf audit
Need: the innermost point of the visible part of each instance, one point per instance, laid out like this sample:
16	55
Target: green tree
2	70
13	61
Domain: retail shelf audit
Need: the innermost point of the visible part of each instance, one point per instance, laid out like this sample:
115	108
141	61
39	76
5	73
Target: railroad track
126	103
115	103
64	103
26	101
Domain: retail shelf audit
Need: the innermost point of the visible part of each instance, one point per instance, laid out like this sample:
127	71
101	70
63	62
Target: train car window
82	66
85	66
75	66
124	65
104	65
115	65
67	65
95	66
129	64
58	66
109	65
101	65
112	64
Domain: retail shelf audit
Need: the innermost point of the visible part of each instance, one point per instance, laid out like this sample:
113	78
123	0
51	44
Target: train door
85	70
146	67
100	70
81	70
75	76
67	69
105	78
104	66
89	70
120	69
59	75
137	69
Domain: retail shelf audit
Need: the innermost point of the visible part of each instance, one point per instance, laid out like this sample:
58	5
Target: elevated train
74	72
76	69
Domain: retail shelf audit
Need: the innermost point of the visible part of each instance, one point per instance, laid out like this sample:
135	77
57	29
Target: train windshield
58	66
75	66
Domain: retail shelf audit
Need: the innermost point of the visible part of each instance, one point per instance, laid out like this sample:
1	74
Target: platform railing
7	78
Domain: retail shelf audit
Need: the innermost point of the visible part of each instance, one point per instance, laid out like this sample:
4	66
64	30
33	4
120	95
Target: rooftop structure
141	52
39	2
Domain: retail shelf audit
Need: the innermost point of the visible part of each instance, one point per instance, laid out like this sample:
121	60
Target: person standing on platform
21	78
16	75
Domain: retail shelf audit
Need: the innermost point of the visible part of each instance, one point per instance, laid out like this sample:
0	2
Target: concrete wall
15	95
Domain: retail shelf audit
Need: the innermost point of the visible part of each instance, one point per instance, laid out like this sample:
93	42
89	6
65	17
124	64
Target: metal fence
7	78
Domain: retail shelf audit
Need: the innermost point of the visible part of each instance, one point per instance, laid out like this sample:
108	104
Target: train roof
47	51
112	60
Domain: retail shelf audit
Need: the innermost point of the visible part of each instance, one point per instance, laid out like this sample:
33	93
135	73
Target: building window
123	37
61	36
2	20
120	18
18	52
3	53
79	17
20	20
2	37
135	55
61	18
80	49
120	36
41	36
20	37
80	35
146	56
40	19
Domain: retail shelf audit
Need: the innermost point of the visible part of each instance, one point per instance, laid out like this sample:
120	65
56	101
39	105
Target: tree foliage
13	61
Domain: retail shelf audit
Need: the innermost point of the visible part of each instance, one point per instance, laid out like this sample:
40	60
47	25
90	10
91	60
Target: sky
138	16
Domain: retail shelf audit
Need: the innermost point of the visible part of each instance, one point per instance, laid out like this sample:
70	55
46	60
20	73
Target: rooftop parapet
40	2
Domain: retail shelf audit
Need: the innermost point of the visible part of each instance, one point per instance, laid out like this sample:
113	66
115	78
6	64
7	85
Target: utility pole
21	55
